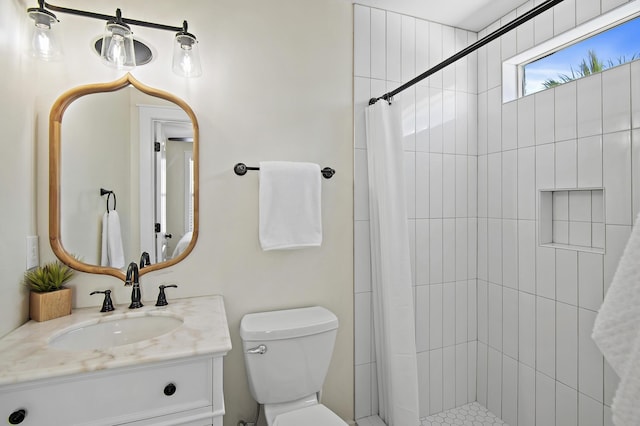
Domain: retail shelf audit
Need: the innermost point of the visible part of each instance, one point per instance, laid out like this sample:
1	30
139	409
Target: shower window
591	55
607	41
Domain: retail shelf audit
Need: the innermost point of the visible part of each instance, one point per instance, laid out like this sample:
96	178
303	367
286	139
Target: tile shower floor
473	414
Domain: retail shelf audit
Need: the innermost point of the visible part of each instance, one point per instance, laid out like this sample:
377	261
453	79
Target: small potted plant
49	298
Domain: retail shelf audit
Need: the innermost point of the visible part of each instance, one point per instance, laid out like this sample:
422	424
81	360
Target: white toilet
287	355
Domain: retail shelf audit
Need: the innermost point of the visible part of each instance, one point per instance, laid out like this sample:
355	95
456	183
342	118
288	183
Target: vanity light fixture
117	44
44	43
186	59
117	48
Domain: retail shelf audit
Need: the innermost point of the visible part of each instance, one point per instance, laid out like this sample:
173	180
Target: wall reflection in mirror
140	148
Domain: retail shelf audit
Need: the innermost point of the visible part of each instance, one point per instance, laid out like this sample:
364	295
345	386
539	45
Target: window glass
615	46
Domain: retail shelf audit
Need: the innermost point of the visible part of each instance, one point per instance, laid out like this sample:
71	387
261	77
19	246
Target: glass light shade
44	42
186	57
117	46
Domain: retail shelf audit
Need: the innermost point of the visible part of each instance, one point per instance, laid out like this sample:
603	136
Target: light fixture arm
103	17
41	9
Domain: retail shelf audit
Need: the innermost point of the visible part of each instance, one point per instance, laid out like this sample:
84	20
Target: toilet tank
298	345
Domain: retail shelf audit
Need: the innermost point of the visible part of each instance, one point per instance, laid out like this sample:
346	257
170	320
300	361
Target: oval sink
114	331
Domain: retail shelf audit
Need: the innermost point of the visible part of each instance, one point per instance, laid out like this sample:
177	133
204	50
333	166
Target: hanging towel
182	245
617	332
289	197
112	251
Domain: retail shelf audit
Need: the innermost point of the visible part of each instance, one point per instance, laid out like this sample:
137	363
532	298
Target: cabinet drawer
113	396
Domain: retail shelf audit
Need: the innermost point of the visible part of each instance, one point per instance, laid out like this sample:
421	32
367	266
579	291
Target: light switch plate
33	256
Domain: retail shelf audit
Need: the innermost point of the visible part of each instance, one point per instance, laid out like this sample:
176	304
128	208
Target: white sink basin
114	331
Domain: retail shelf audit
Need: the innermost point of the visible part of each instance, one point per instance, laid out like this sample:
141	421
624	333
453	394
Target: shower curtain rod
548	4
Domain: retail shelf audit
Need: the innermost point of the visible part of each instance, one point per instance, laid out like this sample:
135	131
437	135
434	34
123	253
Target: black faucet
132	278
144	259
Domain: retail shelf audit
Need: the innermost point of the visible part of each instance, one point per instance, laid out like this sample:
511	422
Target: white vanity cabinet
174	378
181	392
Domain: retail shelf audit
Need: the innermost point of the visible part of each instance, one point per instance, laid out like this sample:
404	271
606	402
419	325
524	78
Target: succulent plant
50	277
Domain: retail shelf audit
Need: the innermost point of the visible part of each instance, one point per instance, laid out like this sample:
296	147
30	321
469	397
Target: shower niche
572	219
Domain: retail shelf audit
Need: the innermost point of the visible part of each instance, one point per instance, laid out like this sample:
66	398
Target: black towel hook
109	193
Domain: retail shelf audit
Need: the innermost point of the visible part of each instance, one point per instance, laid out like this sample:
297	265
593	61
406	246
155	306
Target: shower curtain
393	311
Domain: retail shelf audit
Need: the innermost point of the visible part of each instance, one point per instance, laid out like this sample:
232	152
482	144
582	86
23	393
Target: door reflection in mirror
173	201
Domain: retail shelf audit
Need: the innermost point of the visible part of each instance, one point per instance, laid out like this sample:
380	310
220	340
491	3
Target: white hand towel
290	208
616	332
104	253
112	251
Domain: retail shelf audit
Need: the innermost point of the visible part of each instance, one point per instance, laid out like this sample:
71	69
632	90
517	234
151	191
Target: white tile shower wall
582	135
535	315
440	144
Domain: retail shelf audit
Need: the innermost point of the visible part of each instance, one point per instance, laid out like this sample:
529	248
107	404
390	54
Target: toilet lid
315	415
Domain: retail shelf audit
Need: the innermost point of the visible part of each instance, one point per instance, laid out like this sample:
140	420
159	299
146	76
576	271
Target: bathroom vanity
70	371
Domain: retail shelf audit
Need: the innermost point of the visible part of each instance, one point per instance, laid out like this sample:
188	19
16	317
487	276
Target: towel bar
241	169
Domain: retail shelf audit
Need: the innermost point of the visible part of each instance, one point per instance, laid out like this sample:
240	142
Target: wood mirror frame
55	148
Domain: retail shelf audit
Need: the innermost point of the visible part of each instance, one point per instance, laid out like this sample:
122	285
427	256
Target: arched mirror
123	177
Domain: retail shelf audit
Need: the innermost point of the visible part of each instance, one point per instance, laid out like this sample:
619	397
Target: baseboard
370	421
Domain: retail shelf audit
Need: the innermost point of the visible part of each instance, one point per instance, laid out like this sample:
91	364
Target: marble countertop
26	355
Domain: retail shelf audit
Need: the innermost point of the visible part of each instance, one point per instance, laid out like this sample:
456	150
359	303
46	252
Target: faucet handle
107	304
162	298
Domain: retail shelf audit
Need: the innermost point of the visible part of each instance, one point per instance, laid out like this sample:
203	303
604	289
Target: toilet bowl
287	355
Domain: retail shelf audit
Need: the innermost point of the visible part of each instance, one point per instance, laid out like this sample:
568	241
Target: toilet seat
315	415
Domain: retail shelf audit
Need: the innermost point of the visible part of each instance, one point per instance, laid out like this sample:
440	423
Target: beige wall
276	86
17	198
